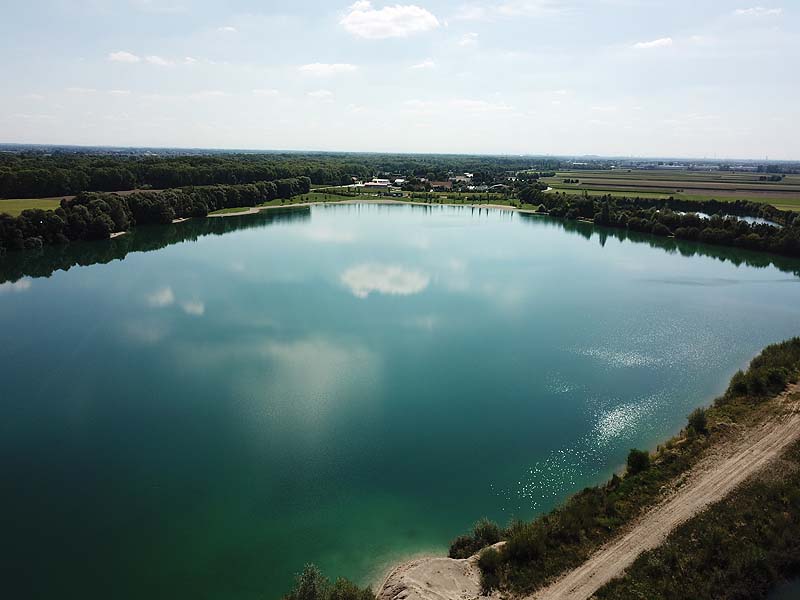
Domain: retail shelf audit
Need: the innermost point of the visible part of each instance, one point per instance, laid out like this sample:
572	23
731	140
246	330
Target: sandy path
713	478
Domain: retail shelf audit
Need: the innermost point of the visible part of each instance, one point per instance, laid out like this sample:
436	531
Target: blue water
201	409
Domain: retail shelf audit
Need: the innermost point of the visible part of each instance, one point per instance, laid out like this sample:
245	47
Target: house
441	186
376	185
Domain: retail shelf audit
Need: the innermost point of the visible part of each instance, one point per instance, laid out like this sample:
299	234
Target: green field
15	207
686	185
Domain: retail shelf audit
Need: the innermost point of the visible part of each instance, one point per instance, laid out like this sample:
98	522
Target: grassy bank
740	548
537	552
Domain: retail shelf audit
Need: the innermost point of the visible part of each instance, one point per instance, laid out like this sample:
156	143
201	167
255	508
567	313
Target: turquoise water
344	384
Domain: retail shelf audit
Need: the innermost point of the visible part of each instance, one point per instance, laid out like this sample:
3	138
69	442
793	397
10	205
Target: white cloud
364	21
209	94
33	97
327	69
468	39
265	93
758	11
122	56
189	60
81	90
325	234
161	298
425	64
158	61
119	92
321	95
659	43
33	117
227	29
22	285
195	309
481	106
307	380
384	279
145	332
511	8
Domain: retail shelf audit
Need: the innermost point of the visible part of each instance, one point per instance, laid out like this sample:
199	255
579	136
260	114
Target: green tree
698	422
638	461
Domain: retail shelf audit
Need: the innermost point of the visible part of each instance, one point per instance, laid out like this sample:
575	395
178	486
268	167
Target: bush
311	584
638	461
660	229
484	533
526	542
698	422
489	562
346	590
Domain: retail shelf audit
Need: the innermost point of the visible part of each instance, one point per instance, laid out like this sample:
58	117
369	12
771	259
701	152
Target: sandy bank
433	579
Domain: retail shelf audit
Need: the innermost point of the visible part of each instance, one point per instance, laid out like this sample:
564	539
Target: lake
200	409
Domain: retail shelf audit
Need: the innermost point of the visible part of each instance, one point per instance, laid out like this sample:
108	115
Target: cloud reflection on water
393	280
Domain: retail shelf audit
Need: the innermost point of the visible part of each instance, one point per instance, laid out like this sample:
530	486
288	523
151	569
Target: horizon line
400	153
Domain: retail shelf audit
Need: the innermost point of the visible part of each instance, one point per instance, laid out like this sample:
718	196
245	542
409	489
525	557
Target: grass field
686	185
15	207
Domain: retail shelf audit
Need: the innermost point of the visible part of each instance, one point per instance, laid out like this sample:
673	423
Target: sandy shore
726	466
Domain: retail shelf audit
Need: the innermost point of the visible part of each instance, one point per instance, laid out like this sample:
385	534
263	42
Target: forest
49	174
711	221
96	215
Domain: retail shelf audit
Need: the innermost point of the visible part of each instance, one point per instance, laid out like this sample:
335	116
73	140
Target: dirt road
711	480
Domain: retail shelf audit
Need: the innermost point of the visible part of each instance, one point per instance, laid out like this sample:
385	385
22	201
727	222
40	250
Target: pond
198	410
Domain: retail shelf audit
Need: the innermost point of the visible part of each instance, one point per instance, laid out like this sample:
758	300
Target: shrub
462	547
489	562
484	533
311	584
346	590
660	229
526	542
638	461
698	422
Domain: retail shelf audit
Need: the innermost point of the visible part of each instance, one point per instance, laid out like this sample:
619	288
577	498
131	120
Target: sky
699	78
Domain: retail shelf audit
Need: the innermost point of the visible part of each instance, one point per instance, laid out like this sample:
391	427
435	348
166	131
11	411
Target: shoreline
388	201
745	450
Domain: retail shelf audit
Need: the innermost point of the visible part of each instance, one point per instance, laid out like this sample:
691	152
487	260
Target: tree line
680	219
48	260
38	174
96	215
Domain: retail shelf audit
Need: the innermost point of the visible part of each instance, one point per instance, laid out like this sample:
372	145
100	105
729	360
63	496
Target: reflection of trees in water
46	261
736	256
